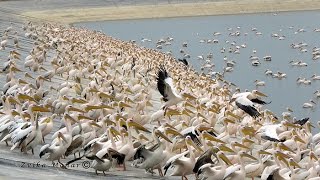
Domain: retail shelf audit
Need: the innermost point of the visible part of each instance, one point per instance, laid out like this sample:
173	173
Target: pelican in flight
246	101
269	132
168	91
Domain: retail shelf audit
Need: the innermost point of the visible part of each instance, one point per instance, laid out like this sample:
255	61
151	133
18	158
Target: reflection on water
292	27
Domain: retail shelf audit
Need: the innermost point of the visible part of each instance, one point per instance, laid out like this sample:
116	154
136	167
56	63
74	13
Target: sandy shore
172	10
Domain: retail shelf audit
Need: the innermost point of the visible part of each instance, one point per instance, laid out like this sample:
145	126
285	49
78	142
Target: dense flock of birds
83	94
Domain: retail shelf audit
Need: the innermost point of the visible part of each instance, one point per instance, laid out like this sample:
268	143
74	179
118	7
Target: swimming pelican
227	69
315	77
279	75
268	72
255	63
309	104
259	83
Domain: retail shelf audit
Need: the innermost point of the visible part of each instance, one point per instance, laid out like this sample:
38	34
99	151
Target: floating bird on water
184	61
309	104
259	83
268	72
267	58
279	75
315	77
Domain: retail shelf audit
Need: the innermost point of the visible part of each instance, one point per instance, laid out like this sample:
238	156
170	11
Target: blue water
283	93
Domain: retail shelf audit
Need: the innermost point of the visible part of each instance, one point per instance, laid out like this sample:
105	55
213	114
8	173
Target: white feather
232	169
170	89
269	130
244	101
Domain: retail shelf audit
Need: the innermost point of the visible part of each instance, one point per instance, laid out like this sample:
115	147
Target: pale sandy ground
71	15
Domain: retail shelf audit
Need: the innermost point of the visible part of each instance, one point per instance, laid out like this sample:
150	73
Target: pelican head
157	132
189	141
256	92
244	154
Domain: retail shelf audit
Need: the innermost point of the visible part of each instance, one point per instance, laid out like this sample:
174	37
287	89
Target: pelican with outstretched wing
247	100
168	91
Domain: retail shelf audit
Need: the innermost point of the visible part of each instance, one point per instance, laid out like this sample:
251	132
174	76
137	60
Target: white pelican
237	171
302	64
246	100
205	158
279	75
314	172
255	169
213	172
315	57
300	80
77	142
254	58
168	91
227	69
183	166
259	83
273	132
193	132
295	174
145	40
309	104
316	137
317	93
307	82
128	149
30	137
268	72
315	77
153	156
255	63
101	164
59	145
293	63
46	125
216	33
